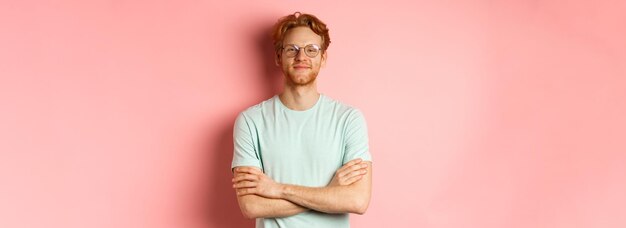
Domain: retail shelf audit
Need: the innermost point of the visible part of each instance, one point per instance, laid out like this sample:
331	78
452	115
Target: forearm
334	198
331	199
254	206
346	193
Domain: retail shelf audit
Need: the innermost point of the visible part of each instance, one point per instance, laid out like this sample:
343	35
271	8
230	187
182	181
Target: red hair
297	20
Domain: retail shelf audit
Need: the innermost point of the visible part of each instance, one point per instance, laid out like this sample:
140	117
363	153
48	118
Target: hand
248	181
349	173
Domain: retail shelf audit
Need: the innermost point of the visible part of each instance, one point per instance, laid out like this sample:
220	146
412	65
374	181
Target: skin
350	188
300	88
260	197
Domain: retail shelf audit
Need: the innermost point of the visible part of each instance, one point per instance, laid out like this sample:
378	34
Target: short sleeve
357	142
245	153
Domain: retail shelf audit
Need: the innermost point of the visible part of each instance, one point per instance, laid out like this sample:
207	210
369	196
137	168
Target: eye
311	49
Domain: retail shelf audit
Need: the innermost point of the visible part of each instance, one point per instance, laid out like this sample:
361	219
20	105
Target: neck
299	98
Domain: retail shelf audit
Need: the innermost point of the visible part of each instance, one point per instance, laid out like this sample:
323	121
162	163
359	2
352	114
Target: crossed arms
261	197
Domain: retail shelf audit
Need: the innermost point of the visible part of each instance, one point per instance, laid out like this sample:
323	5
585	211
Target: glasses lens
291	50
312	50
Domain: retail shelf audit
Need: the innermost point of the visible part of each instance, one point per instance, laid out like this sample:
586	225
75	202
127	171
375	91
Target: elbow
360	209
248	214
360	206
248	211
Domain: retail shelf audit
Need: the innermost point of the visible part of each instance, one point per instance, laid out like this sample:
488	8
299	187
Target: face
301	69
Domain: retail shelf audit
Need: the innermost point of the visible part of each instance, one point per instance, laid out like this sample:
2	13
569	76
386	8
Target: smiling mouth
301	67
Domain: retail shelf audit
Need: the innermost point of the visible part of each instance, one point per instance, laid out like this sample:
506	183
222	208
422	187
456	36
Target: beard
300	78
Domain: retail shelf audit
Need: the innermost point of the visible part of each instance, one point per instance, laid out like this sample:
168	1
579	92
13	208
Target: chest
306	152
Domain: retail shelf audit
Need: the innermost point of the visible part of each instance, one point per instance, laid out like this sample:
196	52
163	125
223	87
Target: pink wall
482	114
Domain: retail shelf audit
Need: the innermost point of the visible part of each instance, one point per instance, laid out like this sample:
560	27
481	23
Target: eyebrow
304	45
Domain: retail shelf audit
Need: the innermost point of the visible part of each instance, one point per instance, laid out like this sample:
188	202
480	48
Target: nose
300	55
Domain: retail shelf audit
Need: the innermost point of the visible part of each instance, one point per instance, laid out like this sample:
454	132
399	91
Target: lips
301	67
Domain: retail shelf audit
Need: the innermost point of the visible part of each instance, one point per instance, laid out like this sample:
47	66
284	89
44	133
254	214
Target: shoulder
343	109
257	110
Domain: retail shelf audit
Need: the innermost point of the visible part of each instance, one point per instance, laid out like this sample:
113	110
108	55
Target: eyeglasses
311	50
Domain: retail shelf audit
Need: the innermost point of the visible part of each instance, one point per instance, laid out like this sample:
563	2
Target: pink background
481	113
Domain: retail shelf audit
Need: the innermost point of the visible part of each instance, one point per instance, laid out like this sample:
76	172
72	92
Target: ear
277	59
324	57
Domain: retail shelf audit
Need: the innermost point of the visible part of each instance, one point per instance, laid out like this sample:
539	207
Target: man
301	159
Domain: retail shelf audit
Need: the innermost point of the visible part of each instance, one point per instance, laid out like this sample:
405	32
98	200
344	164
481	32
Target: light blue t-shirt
301	148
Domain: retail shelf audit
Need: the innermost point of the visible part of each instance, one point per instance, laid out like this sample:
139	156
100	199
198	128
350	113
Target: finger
238	177
244	184
353	179
353	169
347	165
245	177
240	170
254	171
247	170
348	171
355	173
246	191
350	163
